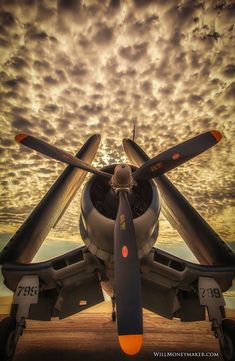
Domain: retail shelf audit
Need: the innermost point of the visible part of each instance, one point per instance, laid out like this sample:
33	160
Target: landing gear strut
11	328
114	311
211	296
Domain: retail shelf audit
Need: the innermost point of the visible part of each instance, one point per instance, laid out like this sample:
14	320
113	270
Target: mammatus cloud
73	68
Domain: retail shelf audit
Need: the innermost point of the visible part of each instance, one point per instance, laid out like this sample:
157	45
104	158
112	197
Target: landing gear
227	341
113	312
11	328
223	329
7	338
10	331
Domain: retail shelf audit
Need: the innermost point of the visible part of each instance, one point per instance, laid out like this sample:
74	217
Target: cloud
79	70
133	53
41	65
69	5
7	19
35	35
21	123
103	35
229	71
230	91
51	108
72	68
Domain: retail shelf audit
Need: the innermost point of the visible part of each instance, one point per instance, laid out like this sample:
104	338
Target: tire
7	333
113	316
228	349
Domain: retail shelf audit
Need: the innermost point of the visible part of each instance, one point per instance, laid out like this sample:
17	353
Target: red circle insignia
124	251
175	156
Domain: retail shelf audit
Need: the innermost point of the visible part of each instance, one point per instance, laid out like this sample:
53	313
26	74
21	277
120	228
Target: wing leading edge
27	240
204	242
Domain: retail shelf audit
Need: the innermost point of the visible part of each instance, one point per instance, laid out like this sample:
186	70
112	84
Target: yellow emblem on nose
122	222
156	166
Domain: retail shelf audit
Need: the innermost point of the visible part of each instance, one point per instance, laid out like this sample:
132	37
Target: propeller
127	280
177	155
58	154
126	262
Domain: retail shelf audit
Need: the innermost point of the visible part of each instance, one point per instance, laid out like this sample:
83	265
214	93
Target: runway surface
91	335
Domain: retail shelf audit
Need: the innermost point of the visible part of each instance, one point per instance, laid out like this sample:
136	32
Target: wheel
113	316
228	348
7	338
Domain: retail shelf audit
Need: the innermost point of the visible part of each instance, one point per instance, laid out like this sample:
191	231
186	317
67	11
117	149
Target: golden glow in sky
73	68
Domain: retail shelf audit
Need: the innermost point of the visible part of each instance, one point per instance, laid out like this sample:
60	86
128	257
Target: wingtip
95	138
126	141
131	344
20	137
217	135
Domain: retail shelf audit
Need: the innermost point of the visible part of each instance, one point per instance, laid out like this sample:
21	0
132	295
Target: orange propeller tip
20	137
217	135
130	344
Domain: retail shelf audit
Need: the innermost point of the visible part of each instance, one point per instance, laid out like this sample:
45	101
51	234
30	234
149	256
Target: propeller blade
127	280
58	154
177	155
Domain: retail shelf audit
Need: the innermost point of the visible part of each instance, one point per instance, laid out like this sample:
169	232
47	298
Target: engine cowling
98	212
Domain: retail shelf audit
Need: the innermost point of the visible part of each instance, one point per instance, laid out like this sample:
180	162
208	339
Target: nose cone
122	174
131	344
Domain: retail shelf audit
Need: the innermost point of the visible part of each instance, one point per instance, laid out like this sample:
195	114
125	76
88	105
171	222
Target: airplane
119	224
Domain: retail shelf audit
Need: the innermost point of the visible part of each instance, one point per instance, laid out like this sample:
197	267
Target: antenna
133	132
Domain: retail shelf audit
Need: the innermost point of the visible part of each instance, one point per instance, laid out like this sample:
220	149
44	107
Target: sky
69	69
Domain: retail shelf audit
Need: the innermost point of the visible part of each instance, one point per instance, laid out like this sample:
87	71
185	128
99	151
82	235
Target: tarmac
92	336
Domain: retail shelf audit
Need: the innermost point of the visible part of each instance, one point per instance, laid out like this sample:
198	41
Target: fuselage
98	212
